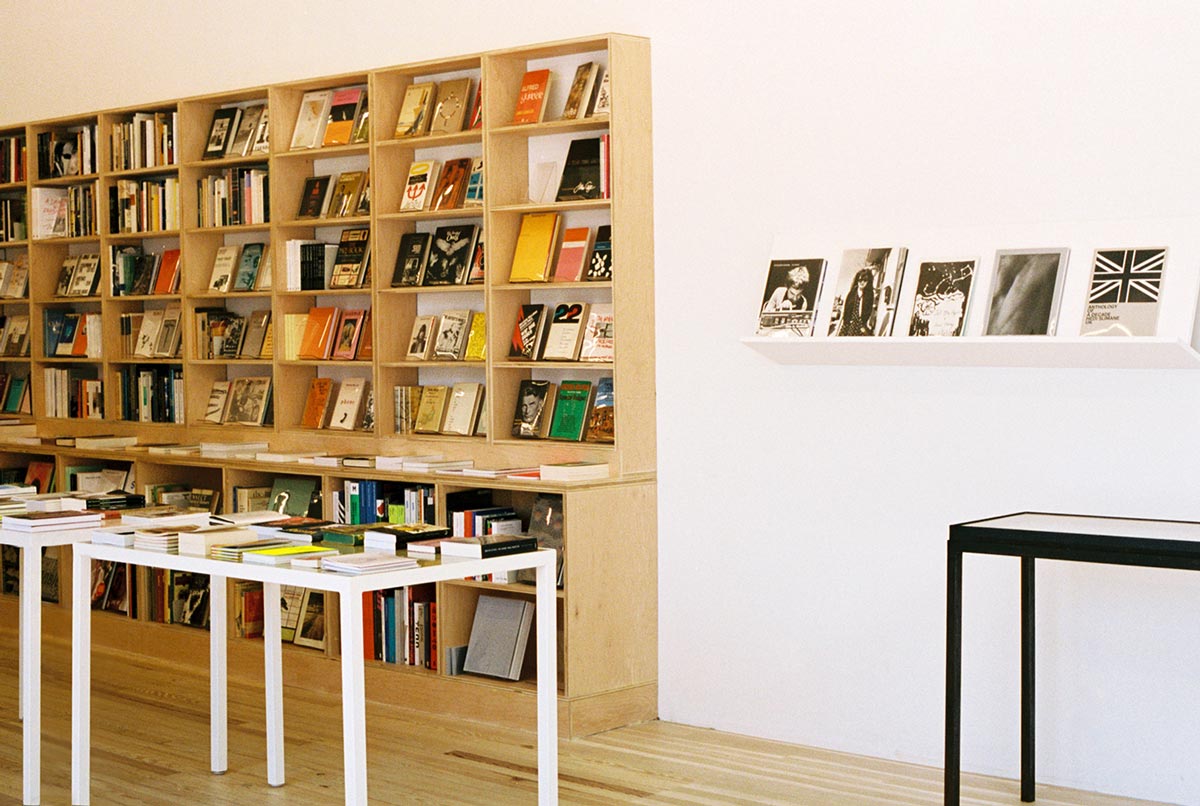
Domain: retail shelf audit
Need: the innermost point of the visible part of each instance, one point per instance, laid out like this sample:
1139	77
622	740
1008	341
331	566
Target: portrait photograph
790	299
868	286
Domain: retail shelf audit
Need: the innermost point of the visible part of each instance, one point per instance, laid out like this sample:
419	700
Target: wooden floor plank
150	747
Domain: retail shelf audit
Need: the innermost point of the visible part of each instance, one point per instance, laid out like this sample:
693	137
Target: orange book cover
168	273
316	407
318	333
531	100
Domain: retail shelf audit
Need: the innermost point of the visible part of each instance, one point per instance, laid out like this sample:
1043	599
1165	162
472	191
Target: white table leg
547	681
31	669
21	631
354	703
218	691
273	671
81	678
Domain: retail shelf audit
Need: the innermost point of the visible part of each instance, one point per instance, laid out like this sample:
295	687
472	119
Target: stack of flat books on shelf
283	555
399	535
493	545
367	563
162	539
234	551
51	521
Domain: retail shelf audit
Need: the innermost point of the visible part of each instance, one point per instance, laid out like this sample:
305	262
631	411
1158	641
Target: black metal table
1030	535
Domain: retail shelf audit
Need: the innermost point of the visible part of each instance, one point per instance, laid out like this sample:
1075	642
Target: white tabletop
1093	525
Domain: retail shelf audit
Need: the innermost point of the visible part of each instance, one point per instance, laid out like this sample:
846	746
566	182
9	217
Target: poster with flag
1124	292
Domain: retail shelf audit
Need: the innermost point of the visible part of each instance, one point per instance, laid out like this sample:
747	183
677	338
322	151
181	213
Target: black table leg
1027	670
953	674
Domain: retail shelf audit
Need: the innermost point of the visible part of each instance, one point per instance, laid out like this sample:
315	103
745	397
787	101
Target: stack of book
234	551
398	536
163	539
51	521
367	563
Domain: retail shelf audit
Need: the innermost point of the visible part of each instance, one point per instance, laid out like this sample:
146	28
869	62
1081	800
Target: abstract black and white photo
1123	293
943	294
790	300
1026	291
868	286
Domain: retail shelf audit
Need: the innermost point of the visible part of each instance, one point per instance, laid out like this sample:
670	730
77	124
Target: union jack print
1127	275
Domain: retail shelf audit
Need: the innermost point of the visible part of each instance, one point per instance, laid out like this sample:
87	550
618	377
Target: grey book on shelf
499	634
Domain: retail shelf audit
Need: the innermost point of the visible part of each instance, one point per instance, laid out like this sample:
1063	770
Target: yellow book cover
294	325
477	339
536	246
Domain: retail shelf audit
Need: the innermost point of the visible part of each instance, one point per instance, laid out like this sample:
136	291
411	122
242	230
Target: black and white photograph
311	629
530	410
1026	291
943	296
790	299
248	400
189	605
1123	293
867	288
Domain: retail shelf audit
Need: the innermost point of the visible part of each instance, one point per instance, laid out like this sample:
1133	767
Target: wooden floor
150	747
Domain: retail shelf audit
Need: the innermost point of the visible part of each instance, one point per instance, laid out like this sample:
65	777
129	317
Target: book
292	495
86	277
410	259
105	441
432	410
490	545
452	332
283	555
602	420
603	104
416	109
361	131
249	401
583	172
218	401
200	540
600	267
349	329
255	333
243	138
221	132
790	300
247	267
319	331
145	271
224	268
353	258
528	332
422	175
451	188
49	521
1124	292
579	96
367	562
314	196
499	635
169	334
597	343
348	406
573	254
167	279
477	338
65	273
564	331
474	194
449	254
344	106
343	198
397	536
420	342
453	101
531	98
462	410
311	119
865	297
536	246
574	471
147	338
534	408
261	144
943	294
1026	292
572	405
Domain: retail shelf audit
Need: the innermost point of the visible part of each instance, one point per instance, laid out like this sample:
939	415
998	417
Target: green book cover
571	410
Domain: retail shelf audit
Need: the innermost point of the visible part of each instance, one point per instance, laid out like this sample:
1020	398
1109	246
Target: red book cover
168	273
531	101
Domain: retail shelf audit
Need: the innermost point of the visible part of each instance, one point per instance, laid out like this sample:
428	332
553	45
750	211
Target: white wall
803	510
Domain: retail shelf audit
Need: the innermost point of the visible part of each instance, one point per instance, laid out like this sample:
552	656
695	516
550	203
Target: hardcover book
86	277
349	330
453	98
410	259
218	401
415	110
573	254
600	267
565	331
864	303
790	299
343	111
943	294
315	196
417	190
462	410
249	399
598	333
348	407
247	269
528	332
353	256
535	408
167	280
603	105
432	409
474	194
1124	291
582	176
255	333
247	128
311	119
450	254
424	333
452	333
571	406
531	98
602	422
534	253
499	634
343	200
451	186
224	268
477	338
579	97
317	404
221	132
65	272
1026	291
319	331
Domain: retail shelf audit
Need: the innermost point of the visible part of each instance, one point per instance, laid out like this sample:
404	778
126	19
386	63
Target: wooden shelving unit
608	605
